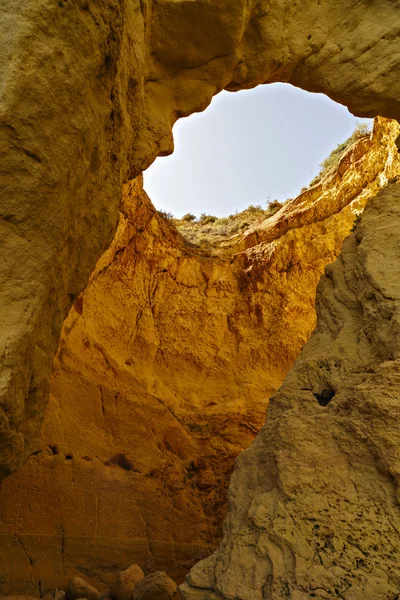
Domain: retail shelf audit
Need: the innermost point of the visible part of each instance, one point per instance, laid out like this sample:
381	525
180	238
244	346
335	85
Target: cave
72	249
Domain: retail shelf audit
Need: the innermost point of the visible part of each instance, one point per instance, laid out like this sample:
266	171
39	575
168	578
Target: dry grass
330	163
210	232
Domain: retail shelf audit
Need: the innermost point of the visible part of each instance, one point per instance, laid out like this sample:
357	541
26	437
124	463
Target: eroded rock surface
124	583
78	588
90	90
157	586
314	502
163	376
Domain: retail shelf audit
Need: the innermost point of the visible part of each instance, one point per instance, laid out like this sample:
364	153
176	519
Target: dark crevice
31	155
121	461
102	402
323	398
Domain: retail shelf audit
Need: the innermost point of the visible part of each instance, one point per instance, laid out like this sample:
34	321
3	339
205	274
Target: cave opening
237	163
250	147
171	358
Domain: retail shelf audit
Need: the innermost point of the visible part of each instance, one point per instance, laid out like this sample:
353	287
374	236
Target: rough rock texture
60	190
79	588
124	583
162	377
89	90
54	594
314	502
157	586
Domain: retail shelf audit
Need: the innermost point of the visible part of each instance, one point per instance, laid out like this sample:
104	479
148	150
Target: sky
247	147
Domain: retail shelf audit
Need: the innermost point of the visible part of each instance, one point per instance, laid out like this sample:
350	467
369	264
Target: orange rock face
162	377
91	103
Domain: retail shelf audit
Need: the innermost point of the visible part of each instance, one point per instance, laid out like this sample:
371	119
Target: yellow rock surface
162	377
314	502
90	90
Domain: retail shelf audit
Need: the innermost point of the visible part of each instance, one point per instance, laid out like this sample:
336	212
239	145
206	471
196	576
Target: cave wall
90	90
162	378
314	502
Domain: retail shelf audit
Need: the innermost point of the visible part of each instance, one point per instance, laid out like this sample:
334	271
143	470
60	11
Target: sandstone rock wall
61	138
89	92
162	377
314	502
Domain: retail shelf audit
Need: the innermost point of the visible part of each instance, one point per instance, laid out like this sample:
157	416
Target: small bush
189	217
165	215
274	204
316	180
361	130
205	219
273	207
356	222
211	232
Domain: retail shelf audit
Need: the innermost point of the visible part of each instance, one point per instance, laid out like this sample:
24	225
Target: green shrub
210	232
165	215
362	130
314	181
205	219
189	217
355	223
273	207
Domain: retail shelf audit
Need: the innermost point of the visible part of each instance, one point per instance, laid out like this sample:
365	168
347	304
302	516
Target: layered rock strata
314	502
90	90
162	377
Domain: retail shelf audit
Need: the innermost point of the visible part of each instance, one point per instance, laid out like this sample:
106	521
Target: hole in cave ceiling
249	147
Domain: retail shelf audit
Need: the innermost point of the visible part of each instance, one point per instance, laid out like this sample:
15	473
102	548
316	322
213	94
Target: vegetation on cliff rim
362	130
210	231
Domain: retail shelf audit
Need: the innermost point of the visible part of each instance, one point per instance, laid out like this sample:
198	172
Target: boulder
157	586
124	583
78	588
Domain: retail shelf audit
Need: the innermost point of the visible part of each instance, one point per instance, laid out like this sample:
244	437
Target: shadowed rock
314	502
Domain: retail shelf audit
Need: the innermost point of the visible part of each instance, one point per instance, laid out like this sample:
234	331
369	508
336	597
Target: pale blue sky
247	147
